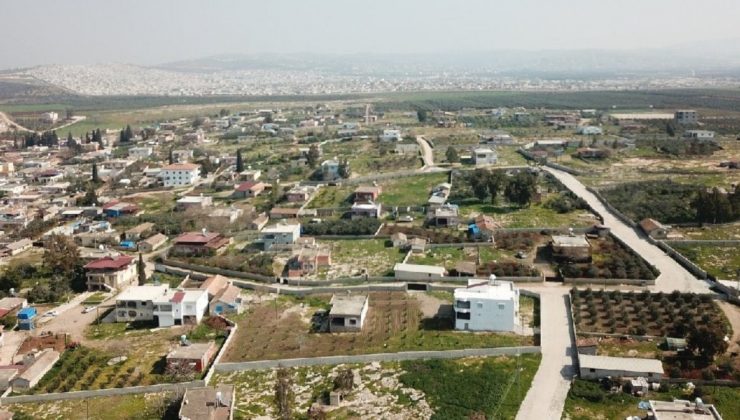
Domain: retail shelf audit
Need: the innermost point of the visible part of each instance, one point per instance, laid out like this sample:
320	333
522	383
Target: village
323	246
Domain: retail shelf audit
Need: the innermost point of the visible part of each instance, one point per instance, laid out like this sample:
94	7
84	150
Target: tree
494	183
670	129
706	340
313	156
95	178
479	183
421	115
451	155
61	255
171	157
129	133
345	380
521	188
70	139
344	171
122	137
239	161
141	270
284	396
91	196
223	112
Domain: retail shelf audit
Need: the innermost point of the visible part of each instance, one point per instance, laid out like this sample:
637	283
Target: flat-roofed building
487	305
417	272
597	367
682	410
348	312
574	248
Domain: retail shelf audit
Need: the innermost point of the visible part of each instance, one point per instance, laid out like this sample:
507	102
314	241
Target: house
194	357
135	303
360	210
180	307
152	243
330	169
445	215
589	130
279	234
139	231
682	410
485	227
592	153
182	155
588	346
675	344
701	135
348	312
249	189
484	156
686	117
574	248
300	193
36	365
416	272
487	305
227	215
16	247
367	194
110	273
193	202
598	367
49	117
407	148
417	245
116	208
208	403
250	175
308	260
199	243
391	135
259	222
466	268
226	301
180	174
140	152
399	240
654	228
284	212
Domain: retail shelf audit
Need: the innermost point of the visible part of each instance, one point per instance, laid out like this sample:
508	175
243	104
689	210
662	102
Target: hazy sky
156	31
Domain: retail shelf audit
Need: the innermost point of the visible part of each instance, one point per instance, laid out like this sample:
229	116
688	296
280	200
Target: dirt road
427	154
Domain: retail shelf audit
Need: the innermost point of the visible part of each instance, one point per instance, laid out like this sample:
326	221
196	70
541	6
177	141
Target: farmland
722	262
281	328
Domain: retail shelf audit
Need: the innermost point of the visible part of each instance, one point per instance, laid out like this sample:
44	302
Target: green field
722	262
410	191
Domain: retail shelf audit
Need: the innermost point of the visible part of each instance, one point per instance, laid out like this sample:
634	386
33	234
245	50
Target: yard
350	257
124	407
723	262
711	232
281	328
410	191
588	400
535	215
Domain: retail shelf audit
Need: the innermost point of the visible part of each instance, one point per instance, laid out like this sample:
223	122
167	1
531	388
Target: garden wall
215	270
380	357
602	281
713	242
77	395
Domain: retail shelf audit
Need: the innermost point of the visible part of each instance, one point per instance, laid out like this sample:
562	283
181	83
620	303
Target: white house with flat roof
347	312
135	303
280	234
180	307
704	135
597	367
416	272
484	156
487	305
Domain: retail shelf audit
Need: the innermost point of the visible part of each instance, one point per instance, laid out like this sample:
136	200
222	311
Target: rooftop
570	241
192	351
180	167
143	293
348	305
418	268
683	410
202	403
110	263
482	288
627	364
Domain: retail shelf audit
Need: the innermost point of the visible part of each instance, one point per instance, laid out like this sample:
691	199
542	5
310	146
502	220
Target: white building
417	272
597	367
180	174
703	135
391	135
590	130
180	307
140	152
487	306
135	303
484	156
330	169
49	117
280	234
686	116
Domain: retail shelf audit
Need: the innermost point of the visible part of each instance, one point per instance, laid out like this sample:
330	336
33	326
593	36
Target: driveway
546	397
70	319
672	275
427	154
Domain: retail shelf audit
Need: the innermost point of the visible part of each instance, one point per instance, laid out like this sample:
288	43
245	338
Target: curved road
427	154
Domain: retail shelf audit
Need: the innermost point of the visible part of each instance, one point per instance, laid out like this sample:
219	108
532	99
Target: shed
597	367
348	312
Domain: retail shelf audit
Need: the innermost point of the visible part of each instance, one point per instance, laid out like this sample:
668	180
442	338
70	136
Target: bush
588	391
364	226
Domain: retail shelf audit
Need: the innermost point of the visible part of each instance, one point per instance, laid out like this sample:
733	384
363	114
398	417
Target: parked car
88	309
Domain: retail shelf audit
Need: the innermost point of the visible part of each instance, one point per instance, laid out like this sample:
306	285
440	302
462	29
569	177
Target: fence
604	281
378	357
216	270
78	395
712	242
221	351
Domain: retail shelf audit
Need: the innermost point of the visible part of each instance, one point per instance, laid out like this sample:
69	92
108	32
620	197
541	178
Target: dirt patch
57	342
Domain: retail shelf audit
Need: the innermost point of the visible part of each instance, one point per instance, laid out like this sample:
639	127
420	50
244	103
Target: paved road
546	397
672	275
427	154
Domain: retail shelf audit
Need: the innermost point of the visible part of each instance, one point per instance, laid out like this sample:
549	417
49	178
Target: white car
88	309
51	313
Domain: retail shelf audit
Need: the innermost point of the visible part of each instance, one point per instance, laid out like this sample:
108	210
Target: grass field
722	262
536	215
332	197
410	191
125	407
350	256
711	232
587	401
461	389
281	329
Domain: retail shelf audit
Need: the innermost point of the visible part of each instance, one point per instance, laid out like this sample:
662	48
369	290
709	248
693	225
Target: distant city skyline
149	32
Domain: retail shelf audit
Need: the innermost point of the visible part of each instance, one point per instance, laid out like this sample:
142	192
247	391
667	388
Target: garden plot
122	407
410	191
281	328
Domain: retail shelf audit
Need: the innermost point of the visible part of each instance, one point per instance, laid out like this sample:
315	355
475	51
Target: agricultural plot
711	232
722	262
410	191
536	215
332	197
610	260
642	313
395	322
122	407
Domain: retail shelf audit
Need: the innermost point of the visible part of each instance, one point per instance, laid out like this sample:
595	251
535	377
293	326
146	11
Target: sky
151	32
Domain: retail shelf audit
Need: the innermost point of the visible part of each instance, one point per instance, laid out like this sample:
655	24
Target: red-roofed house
249	189
199	243
110	273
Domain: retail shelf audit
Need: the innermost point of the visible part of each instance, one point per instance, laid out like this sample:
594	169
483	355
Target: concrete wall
602	281
76	395
369	358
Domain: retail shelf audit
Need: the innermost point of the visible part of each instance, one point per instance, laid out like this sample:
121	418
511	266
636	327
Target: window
592	370
462	304
353	322
501	306
463	315
479	305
